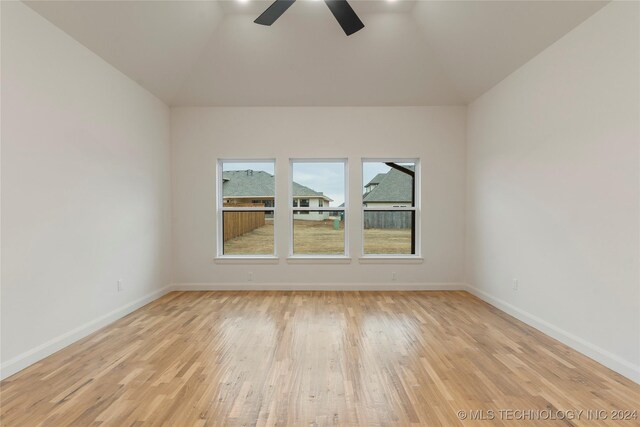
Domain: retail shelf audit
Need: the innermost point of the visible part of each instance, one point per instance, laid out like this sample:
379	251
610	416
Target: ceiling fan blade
345	15
274	12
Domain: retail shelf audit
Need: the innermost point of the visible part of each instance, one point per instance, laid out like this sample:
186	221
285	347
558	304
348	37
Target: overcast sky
371	169
325	177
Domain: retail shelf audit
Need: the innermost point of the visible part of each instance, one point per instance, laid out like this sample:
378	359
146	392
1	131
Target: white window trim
220	209
244	259
393	258
319	258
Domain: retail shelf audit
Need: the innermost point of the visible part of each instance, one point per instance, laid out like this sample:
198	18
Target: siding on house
312	216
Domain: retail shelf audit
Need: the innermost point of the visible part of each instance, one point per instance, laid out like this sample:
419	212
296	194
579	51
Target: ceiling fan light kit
341	9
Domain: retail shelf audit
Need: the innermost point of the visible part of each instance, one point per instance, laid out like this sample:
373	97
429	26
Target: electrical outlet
120	286
393	276
250	276
515	284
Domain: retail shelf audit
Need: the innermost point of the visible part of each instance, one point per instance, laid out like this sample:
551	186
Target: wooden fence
387	219
238	223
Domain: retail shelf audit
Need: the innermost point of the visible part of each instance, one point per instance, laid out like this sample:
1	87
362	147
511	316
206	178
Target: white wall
85	190
553	190
201	135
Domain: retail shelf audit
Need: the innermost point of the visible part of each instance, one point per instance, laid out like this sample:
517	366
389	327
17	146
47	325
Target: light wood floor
312	358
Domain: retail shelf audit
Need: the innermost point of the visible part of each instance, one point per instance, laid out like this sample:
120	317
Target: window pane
387	186
245	183
318	233
318	185
316	181
247	233
388	232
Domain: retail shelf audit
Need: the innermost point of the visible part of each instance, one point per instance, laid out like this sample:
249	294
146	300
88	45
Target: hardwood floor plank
313	359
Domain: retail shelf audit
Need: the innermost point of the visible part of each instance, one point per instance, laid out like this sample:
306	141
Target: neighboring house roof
249	183
302	191
376	179
395	186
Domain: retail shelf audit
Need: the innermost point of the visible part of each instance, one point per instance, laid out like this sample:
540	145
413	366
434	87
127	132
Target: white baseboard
600	355
256	286
38	353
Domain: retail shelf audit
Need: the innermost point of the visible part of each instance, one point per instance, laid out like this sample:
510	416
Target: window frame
417	255
344	210
221	209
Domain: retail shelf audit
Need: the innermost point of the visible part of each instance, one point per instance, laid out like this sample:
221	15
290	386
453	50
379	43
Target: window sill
246	260
319	260
391	260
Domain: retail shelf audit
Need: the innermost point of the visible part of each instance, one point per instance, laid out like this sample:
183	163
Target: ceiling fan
343	12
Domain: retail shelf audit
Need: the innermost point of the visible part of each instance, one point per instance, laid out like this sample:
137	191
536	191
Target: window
390	207
246	203
318	221
304	203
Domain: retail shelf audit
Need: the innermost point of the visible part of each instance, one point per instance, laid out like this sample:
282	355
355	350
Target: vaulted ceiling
207	53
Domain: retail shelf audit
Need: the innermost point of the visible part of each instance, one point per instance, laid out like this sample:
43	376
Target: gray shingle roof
376	179
248	183
395	186
302	191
